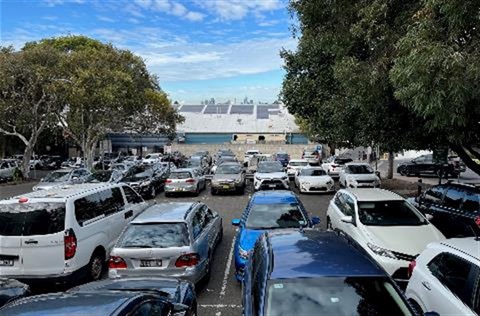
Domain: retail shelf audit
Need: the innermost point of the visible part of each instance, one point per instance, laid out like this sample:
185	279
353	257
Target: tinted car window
132	196
389	213
454	197
112	201
31	219
453	273
156	235
313	172
180	175
334	296
471	202
198	223
435	194
360	169
88	208
268	216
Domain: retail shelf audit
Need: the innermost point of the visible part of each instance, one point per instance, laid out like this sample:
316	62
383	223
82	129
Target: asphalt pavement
222	295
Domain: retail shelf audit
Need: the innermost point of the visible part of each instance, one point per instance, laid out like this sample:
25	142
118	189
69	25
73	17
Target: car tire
167	194
213	191
96	266
416	307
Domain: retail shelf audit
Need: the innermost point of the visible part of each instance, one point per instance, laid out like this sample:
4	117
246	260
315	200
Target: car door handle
426	285
31	241
128	214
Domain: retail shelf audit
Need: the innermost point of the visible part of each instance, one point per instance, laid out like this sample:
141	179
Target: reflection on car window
157	235
389	213
269	216
454	197
57	176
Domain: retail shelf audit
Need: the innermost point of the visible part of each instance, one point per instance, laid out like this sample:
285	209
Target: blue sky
226	49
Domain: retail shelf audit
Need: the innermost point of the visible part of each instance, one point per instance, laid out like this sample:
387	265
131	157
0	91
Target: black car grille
365	181
318	189
403	256
269	182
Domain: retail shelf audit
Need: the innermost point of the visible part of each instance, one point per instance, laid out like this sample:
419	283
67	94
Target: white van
64	234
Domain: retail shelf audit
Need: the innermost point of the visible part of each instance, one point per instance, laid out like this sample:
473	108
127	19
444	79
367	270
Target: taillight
477	221
116	263
411	266
168	181
190	181
187	260
70	244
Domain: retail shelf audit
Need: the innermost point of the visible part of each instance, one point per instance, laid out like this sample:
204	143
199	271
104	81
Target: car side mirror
347	219
236	222
315	220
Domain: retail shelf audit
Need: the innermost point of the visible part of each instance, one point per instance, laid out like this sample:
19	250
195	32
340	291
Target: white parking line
227	269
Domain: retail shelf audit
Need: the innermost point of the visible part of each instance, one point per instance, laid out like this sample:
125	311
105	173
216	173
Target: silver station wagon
168	239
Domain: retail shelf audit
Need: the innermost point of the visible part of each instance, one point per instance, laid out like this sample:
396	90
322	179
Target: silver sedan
185	181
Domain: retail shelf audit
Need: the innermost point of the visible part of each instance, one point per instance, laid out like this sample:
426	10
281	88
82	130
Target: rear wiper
137	246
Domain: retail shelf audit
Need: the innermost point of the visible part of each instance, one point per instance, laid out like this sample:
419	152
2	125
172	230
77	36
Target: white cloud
194	16
238	9
172	8
53	3
105	19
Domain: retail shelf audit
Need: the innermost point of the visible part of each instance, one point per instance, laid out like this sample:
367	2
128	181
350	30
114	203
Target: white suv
64	234
270	175
391	230
446	278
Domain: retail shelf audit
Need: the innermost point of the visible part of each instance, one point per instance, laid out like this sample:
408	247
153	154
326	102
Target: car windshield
57	176
229	169
310	153
28	219
306	172
334	296
137	174
360	169
298	163
269	167
270	216
99	177
180	175
154	235
389	213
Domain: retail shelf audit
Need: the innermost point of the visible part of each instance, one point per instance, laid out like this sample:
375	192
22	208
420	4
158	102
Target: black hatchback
455	208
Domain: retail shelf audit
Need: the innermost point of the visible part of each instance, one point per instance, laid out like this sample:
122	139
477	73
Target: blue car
267	210
308	272
284	158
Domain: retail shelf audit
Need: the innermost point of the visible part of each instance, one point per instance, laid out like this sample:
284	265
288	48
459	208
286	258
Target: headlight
144	184
380	251
243	253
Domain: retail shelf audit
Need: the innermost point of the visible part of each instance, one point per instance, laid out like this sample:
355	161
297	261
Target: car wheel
416	307
96	266
213	191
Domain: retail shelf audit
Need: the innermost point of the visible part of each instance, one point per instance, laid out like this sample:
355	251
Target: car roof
374	195
274	197
165	212
468	245
69	304
312	253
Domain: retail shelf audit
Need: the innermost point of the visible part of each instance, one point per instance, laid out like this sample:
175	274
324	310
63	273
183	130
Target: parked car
294	165
185	180
335	165
222	160
253	164
445	278
389	228
146	180
458	165
136	297
454	208
358	175
313	156
314	179
107	176
283	157
308	272
35	163
425	165
11	290
198	163
62	177
7	169
122	167
152	158
230	177
204	155
50	162
62	235
270	175
249	155
168	239
267	210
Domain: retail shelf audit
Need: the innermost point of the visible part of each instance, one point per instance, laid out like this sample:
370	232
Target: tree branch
15	133
466	158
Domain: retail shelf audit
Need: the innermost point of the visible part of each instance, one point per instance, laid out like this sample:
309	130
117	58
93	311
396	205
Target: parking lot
222	295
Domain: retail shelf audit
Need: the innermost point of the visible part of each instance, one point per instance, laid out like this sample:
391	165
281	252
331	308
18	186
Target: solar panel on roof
216	109
241	109
192	108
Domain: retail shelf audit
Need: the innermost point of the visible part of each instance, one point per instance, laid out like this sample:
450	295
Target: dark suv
427	166
455	208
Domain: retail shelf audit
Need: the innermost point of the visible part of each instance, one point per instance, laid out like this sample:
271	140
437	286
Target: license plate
226	187
150	263
178	189
272	186
6	262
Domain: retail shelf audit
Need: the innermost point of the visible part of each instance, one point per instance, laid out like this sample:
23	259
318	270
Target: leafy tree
437	72
31	87
109	90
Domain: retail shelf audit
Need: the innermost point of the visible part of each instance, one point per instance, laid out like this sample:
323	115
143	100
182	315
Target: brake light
190	181
70	244
168	181
411	267
187	260
116	263
23	200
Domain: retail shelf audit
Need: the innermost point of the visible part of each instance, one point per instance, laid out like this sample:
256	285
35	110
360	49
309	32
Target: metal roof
165	212
375	195
311	253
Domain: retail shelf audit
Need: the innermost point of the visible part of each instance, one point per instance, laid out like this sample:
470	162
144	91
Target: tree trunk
391	157
27	156
88	152
460	150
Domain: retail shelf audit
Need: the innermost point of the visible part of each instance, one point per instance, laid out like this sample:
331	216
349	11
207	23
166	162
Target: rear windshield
25	219
157	235
312	172
342	161
180	175
298	163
